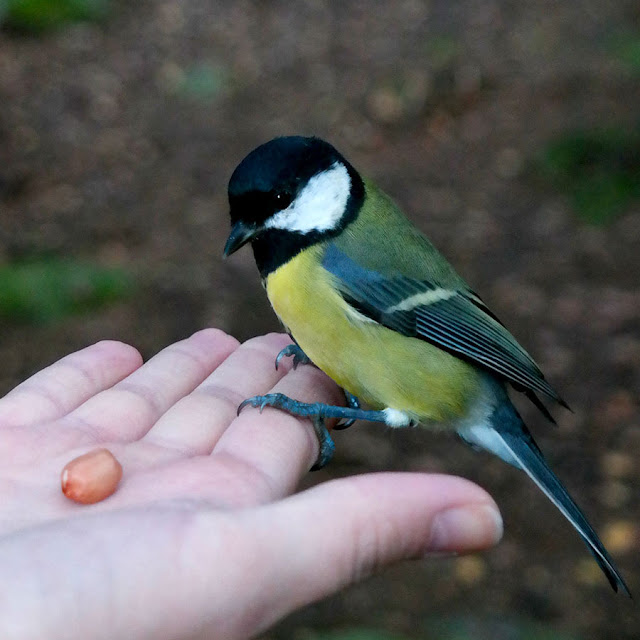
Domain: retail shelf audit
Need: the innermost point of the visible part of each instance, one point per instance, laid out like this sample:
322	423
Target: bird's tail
509	432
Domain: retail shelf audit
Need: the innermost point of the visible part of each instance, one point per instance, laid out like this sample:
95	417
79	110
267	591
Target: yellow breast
378	365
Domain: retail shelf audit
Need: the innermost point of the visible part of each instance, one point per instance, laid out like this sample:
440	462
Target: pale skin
205	537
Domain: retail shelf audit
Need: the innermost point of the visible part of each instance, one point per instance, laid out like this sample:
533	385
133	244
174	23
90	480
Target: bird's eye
282	200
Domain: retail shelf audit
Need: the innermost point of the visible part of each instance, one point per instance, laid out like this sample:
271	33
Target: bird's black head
288	194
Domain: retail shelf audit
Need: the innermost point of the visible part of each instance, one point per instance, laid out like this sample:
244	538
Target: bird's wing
452	318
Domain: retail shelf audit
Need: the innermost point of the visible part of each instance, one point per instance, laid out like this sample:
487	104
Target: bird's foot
318	412
299	356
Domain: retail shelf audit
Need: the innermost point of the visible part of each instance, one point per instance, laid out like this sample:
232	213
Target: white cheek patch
319	206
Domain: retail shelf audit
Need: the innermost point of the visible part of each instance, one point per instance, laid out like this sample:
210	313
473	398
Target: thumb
320	540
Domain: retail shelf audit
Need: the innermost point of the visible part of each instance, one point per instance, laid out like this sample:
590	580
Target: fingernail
463	529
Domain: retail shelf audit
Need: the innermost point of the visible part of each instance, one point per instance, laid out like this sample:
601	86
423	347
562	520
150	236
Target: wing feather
454	319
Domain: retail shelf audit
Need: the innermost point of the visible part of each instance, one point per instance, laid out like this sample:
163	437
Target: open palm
203	537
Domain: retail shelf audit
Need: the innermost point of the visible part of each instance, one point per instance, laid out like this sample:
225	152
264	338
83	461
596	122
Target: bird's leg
299	356
318	412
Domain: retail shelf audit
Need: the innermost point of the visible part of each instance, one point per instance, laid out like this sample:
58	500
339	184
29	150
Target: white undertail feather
487	438
319	206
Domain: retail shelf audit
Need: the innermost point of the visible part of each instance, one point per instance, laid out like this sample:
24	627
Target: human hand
203	537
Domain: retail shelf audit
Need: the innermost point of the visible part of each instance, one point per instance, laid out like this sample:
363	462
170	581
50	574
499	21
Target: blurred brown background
508	131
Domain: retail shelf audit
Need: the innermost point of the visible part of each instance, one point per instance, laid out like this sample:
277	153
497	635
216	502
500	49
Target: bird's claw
325	442
353	403
259	402
299	356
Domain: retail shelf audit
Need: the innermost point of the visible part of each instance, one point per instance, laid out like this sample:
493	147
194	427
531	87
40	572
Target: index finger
264	455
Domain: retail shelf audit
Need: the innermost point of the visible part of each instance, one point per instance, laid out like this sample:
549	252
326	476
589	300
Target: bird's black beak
241	233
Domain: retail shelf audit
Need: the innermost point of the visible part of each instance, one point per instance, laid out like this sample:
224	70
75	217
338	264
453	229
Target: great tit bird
370	301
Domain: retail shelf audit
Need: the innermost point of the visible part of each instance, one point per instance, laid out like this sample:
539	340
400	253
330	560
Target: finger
63	386
130	408
341	531
259	458
195	424
264	455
